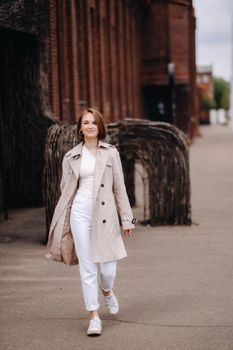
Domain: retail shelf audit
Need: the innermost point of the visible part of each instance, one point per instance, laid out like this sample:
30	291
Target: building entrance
23	126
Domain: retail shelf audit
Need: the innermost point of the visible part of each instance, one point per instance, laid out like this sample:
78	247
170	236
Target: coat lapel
101	160
75	159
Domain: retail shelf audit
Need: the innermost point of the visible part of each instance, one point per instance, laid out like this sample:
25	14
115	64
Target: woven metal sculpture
161	148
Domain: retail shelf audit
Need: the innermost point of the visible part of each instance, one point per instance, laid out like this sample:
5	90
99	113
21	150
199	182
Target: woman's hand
128	233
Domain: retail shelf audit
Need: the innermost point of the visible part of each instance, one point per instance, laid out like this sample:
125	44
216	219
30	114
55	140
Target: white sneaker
112	303
95	326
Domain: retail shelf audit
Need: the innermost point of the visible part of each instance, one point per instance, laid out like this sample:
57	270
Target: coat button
103	203
134	221
104	221
102	185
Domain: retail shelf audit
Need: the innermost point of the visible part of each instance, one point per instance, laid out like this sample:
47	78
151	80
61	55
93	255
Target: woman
85	225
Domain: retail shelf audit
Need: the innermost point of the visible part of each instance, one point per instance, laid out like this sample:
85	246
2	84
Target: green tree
207	103
221	93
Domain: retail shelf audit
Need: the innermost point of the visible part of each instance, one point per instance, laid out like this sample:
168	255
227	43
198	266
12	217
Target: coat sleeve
65	172
121	197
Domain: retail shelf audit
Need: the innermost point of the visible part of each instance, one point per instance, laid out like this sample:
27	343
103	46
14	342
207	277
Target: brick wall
95	57
169	32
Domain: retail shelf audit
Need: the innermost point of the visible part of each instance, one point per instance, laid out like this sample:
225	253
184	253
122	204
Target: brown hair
99	121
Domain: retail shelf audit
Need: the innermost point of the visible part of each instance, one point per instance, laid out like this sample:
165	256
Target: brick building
128	58
95	57
205	93
168	66
116	55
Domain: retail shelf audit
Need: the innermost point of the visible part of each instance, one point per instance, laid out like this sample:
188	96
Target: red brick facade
205	89
169	33
114	55
58	56
94	57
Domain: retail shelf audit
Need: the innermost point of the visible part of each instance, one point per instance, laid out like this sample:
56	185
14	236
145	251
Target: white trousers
81	222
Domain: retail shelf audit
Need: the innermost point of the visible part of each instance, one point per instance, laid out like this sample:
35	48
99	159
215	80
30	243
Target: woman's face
89	126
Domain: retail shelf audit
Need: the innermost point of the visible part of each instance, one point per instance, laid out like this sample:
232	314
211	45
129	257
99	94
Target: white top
87	171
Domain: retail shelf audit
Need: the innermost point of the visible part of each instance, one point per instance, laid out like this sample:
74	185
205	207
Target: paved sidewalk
175	288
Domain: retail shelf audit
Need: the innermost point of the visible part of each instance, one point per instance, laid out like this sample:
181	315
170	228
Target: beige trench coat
109	200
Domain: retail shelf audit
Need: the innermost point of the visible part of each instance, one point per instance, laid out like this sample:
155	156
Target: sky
214	22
